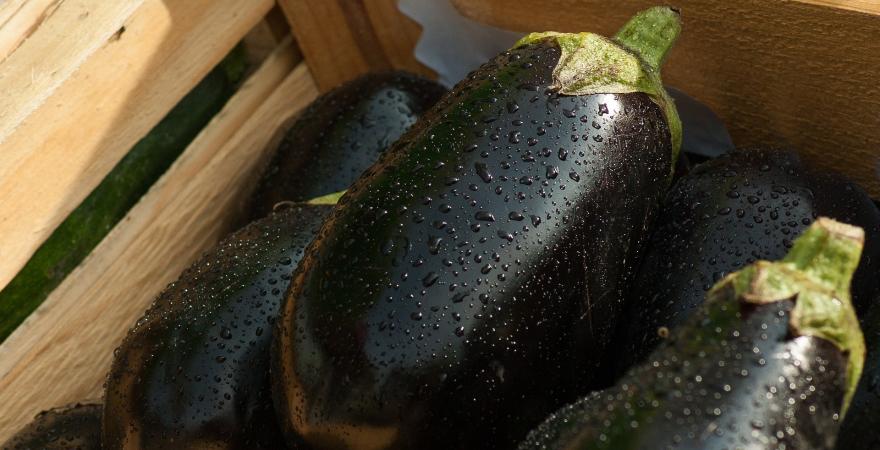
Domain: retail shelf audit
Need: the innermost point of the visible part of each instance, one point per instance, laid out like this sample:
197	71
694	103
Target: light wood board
92	80
341	39
791	73
62	352
865	6
19	18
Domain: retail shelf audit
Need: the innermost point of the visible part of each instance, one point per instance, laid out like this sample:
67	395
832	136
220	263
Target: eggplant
488	247
769	361
70	427
859	428
703	134
194	371
729	212
340	135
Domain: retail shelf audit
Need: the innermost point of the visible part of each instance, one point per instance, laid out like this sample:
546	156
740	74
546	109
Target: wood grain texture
777	72
57	142
67	34
265	37
19	18
865	6
397	34
341	39
63	351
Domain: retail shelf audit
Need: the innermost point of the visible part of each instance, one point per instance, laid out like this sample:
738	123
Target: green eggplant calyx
816	273
829	252
593	64
329	199
651	33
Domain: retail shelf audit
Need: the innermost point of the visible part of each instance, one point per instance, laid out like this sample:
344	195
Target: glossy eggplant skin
194	371
729	212
67	428
468	283
704	135
862	422
727	379
340	135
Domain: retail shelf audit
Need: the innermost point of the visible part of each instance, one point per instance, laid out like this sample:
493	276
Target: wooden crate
83	80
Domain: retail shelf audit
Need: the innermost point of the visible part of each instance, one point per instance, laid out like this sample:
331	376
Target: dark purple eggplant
468	283
194	371
703	134
769	361
340	135
66	428
729	212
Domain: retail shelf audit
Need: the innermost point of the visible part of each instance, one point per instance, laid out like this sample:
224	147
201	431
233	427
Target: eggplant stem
651	33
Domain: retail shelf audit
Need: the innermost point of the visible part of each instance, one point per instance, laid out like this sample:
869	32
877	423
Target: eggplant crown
329	199
816	273
593	64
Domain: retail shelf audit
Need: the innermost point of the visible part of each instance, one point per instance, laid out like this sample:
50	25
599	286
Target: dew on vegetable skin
430	279
485	216
73	426
483	172
505	235
667	391
703	222
476	242
217	312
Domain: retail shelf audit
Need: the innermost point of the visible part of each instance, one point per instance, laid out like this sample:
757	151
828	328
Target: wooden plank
67	34
277	23
319	26
265	36
19	18
777	72
55	149
397	35
342	39
865	6
61	354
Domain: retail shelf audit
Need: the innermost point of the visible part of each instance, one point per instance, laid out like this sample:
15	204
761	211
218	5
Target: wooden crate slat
62	352
398	35
777	72
19	18
265	36
61	150
342	39
66	35
865	6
